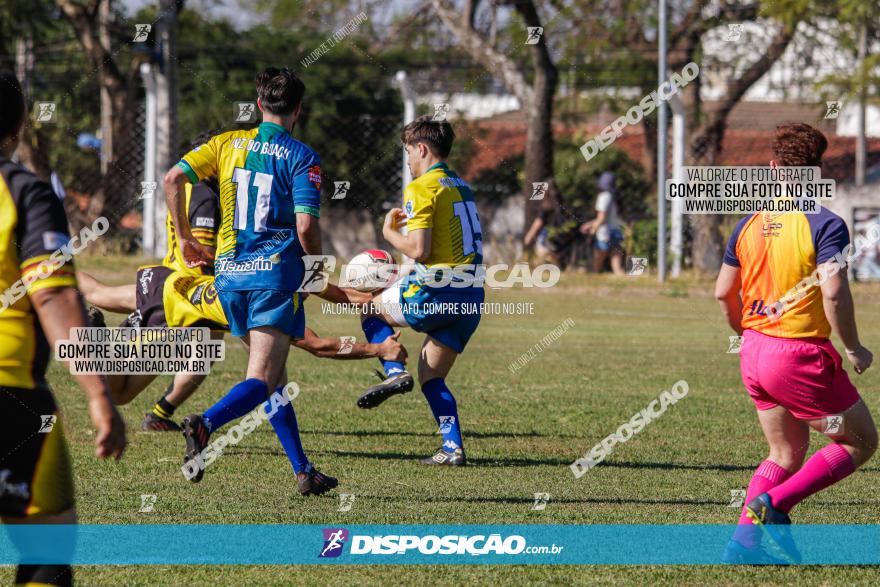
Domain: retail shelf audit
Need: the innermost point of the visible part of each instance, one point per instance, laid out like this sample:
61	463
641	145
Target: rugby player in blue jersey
269	208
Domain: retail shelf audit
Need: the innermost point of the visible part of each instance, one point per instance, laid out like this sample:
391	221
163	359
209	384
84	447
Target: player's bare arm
840	311
121	298
390	349
345	295
194	253
416	244
727	292
60	309
308	229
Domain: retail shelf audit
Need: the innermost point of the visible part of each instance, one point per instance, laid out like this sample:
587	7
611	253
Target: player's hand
395	219
391	350
194	253
861	359
110	440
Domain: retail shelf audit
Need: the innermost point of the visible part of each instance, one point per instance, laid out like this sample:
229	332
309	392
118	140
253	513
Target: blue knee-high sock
445	412
240	400
287	431
377	331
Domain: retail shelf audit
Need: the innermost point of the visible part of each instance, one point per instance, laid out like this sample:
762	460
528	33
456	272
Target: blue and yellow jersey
203	210
33	229
266	177
442	201
776	252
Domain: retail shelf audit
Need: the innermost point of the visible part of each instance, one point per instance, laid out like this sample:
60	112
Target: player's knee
426	373
866	442
789	458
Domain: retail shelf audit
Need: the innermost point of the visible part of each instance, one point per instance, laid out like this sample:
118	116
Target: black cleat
96	318
313	482
196	433
154	423
392	385
447	459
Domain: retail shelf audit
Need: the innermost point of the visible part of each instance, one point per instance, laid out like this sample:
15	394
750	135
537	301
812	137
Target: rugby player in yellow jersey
202	205
39	305
443	232
161	298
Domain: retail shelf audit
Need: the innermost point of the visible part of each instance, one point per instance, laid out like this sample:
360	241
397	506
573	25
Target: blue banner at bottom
150	544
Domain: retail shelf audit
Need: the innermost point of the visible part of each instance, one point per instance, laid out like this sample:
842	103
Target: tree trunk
708	245
539	133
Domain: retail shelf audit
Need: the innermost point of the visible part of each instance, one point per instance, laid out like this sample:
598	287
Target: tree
118	82
620	48
536	97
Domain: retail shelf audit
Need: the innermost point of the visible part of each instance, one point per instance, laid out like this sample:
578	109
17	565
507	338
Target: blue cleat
737	554
775	525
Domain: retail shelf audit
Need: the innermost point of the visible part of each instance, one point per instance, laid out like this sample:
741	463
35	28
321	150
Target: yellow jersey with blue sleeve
442	201
443	303
266	177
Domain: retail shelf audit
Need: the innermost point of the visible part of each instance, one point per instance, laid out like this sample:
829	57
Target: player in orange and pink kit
789	367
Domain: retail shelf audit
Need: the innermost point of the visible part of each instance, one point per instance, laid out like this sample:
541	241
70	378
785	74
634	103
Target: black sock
60	575
164	409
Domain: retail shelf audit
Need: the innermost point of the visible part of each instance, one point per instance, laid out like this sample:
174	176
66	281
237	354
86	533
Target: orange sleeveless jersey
776	253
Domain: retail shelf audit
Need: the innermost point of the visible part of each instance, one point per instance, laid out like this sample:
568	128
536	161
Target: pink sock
825	468
767	476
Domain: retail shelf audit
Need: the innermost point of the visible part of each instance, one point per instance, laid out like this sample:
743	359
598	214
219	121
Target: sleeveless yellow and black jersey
33	232
203	210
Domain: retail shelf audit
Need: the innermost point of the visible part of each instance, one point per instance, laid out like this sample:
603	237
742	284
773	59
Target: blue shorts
614	239
246	310
448	314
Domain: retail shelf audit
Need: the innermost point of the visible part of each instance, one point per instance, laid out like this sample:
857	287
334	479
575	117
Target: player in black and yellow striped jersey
161	298
40	304
202	202
203	210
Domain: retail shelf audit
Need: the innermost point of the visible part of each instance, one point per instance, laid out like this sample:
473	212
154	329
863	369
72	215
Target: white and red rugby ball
370	270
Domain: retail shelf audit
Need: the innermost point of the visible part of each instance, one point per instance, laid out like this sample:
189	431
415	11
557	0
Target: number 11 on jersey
263	182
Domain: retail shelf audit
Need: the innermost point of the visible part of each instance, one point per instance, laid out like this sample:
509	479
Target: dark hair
436	134
11	104
280	90
798	145
202	138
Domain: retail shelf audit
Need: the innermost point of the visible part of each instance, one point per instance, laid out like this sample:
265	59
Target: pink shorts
803	375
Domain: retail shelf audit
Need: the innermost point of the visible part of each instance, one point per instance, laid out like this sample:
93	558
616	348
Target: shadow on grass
469	434
535	462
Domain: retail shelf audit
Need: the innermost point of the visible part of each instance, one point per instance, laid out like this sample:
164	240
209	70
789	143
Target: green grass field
631	340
